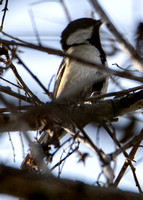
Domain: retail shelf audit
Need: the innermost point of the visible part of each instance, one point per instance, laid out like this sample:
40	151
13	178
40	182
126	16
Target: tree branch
60	115
126	46
53	51
7	90
31	186
4	14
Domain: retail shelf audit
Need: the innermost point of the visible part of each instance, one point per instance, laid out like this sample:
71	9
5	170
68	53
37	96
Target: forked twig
128	158
125	166
131	143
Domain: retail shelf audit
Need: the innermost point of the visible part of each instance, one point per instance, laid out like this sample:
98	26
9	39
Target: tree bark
53	113
18	183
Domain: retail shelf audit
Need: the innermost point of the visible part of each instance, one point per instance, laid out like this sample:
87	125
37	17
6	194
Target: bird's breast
77	75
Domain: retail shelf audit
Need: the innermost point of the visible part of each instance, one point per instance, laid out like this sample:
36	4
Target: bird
76	81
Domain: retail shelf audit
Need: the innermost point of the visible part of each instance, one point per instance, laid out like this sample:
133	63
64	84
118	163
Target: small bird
76	81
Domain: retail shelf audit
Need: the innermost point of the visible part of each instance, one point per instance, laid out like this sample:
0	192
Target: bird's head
80	31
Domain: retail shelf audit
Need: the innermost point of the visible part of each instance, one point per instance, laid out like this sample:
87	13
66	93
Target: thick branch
54	114
31	186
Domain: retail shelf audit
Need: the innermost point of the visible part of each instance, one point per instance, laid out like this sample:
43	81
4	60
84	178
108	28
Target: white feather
77	76
80	36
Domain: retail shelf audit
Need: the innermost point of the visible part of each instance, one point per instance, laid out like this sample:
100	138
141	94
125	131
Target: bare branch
4	14
61	53
127	163
63	159
117	94
131	143
7	90
24	86
54	113
126	46
13	183
19	87
34	26
66	10
33	76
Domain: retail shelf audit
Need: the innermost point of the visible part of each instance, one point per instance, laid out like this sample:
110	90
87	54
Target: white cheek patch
80	36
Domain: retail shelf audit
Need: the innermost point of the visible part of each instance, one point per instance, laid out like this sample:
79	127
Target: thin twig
125	154
7	90
25	87
12	146
98	151
132	142
102	68
61	145
19	87
12	37
129	70
119	93
4	14
125	166
64	158
34	26
64	150
33	76
20	132
22	143
116	141
66	10
104	158
127	47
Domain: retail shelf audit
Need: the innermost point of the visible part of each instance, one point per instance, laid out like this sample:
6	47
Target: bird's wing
59	77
